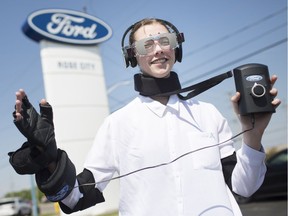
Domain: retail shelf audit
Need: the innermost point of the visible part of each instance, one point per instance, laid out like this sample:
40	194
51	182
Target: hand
38	129
253	137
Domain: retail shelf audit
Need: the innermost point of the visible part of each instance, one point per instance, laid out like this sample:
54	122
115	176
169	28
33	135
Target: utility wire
241	45
225	37
237	60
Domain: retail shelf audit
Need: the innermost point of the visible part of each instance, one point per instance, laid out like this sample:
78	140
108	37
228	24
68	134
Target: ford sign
66	26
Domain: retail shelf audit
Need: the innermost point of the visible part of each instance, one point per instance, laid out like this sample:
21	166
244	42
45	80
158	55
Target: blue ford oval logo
254	78
66	26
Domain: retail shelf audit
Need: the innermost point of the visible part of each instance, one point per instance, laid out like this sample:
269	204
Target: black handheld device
253	83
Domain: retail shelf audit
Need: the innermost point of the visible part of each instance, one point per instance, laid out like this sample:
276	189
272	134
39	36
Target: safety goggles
147	45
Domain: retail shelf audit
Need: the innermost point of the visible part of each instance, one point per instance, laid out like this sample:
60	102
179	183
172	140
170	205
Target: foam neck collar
151	86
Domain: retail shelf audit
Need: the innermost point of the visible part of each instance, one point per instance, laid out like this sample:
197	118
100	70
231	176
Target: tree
26	194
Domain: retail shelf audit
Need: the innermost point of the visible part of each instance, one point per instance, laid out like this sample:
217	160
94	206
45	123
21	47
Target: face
159	62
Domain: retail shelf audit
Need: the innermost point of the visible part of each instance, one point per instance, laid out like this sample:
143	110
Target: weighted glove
39	131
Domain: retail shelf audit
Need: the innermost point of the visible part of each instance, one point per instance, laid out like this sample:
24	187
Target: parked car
15	206
275	182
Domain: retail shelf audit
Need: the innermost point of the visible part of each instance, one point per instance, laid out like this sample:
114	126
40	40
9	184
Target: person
173	156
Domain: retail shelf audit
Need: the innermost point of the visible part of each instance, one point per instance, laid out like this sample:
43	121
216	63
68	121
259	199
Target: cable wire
172	161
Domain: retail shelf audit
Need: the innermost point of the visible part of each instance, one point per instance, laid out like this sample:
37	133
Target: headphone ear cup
178	54
129	58
133	62
126	59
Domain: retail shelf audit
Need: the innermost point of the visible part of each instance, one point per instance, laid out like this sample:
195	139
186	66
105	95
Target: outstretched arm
54	172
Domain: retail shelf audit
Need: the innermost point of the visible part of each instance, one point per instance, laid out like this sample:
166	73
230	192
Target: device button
258	90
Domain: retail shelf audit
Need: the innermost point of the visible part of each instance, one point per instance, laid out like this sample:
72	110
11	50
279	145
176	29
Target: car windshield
280	159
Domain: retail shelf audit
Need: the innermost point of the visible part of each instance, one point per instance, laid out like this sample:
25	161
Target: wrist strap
58	185
203	86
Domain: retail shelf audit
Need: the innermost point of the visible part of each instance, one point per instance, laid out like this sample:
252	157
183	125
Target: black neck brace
151	86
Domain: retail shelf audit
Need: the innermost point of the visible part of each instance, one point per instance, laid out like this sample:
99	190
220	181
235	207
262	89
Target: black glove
39	131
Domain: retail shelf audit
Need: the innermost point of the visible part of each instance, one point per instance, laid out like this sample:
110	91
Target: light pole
34	199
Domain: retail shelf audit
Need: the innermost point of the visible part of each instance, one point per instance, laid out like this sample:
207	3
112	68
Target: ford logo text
254	78
66	26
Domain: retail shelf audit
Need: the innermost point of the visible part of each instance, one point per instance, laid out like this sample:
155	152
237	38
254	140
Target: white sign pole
75	87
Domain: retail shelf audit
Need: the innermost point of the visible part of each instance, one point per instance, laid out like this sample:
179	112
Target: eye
164	41
149	44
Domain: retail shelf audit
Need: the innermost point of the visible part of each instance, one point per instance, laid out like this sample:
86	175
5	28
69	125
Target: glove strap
58	185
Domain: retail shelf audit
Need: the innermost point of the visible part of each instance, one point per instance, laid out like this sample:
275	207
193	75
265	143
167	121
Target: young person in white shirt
147	141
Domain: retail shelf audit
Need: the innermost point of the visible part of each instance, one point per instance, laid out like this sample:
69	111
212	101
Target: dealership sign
66	26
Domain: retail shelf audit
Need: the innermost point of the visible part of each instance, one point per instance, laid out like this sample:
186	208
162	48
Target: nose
157	48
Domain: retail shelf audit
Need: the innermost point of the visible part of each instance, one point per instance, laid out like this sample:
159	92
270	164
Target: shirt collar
158	108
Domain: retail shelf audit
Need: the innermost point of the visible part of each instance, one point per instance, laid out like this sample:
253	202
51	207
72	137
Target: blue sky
220	35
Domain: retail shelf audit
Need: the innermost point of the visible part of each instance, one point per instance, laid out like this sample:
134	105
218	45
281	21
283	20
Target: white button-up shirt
146	133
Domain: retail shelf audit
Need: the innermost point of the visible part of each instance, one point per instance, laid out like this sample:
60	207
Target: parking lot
276	207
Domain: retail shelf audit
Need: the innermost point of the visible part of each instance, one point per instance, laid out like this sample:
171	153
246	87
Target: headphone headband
129	54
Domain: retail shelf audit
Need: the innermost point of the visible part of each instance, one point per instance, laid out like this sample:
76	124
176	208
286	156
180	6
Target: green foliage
26	194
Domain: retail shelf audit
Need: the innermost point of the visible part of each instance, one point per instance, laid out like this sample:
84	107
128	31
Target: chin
157	72
161	74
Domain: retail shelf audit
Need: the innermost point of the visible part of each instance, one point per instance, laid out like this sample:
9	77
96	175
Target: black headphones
128	51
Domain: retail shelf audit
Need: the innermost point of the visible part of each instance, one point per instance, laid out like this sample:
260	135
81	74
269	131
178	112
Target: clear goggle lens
147	45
